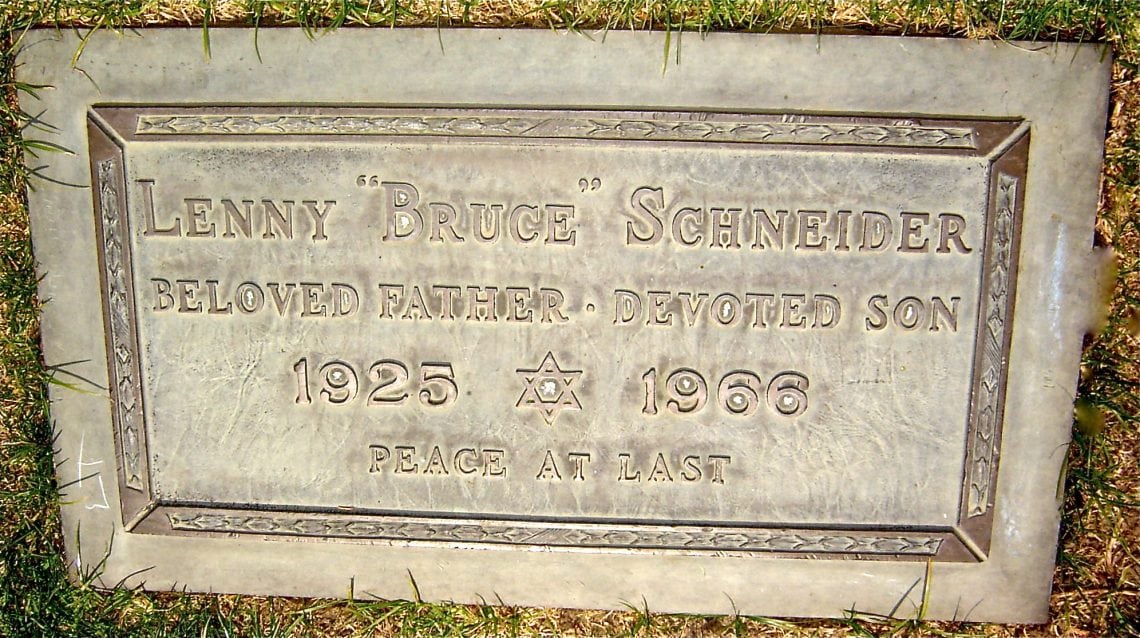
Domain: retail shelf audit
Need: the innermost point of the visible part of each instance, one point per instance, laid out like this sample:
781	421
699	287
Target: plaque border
1004	143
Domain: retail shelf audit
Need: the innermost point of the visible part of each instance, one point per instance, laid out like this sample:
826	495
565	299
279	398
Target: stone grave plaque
788	326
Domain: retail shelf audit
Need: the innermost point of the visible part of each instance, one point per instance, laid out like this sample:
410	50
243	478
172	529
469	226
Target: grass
1097	581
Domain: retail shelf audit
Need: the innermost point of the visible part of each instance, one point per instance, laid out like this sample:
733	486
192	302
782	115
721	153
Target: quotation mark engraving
589	184
548	389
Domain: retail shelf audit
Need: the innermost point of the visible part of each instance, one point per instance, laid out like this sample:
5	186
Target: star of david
548	389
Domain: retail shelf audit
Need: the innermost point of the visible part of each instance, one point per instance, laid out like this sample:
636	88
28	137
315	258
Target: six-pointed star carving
548	389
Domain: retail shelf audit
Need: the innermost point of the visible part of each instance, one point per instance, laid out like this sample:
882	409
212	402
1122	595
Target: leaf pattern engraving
561	125
126	390
996	307
670	538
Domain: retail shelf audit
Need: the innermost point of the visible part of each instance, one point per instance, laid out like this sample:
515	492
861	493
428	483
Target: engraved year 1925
386	383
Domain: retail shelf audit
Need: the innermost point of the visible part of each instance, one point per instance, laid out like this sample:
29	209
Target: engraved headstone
788	328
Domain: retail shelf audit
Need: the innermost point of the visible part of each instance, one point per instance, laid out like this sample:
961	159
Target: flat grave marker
789	328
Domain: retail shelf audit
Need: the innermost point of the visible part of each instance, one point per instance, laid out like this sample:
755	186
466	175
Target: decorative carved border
996	309
124	359
124	371
969	540
555	535
1007	174
600	125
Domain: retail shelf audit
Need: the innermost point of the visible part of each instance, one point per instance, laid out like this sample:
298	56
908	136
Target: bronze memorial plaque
794	340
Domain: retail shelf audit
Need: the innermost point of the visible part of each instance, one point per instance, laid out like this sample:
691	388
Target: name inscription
563	329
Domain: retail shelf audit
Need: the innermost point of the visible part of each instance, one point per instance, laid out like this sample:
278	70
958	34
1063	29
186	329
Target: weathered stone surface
523	316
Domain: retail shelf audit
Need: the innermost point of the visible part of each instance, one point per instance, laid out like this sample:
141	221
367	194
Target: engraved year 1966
338	383
739	392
